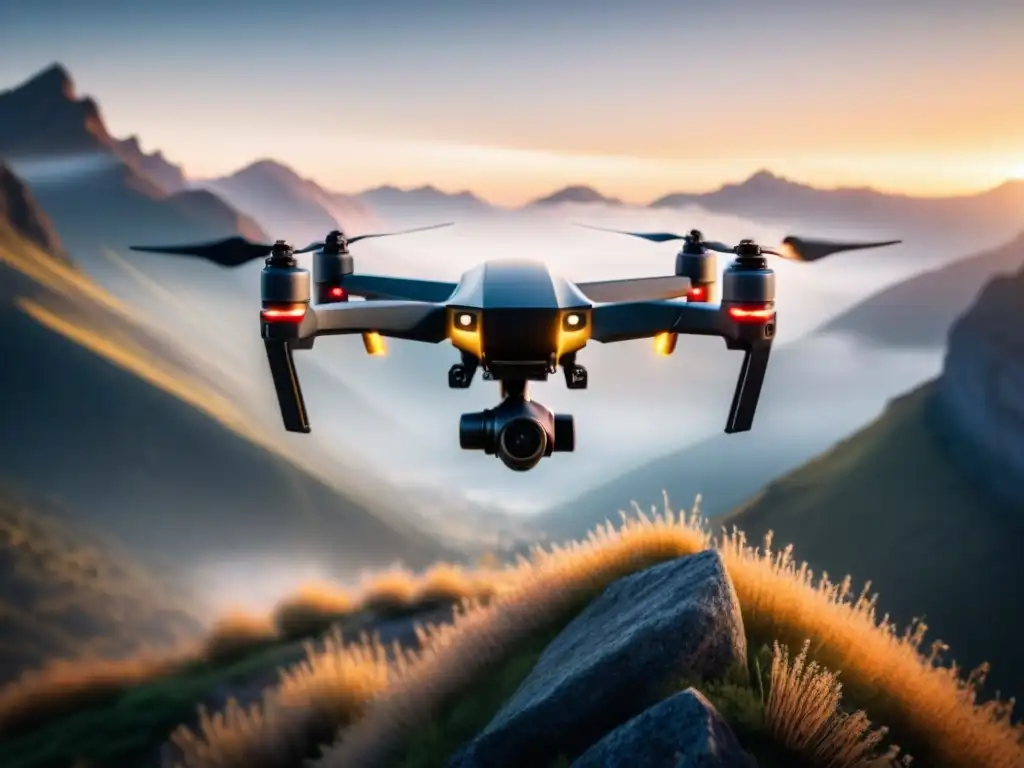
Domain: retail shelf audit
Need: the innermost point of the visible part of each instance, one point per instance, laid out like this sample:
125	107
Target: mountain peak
53	81
577	193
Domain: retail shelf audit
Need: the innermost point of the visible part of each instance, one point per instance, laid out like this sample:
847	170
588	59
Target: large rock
620	656
683	731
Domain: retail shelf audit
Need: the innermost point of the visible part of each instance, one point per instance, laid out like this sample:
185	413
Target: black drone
516	321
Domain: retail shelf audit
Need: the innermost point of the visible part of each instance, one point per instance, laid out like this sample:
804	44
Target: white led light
465	320
573	319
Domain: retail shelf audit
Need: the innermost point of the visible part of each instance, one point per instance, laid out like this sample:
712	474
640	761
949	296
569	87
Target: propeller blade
229	252
357	238
714	245
654	237
311	247
803	249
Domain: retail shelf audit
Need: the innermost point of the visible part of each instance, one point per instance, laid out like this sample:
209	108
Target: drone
516	321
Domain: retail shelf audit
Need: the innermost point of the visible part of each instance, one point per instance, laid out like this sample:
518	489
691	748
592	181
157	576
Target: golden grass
66	685
927	706
804	715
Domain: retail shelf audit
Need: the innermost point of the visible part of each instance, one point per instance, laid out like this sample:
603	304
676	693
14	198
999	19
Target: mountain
576	194
979	406
169	177
766	196
66	593
95	189
890	504
919	311
421	205
288	205
121	428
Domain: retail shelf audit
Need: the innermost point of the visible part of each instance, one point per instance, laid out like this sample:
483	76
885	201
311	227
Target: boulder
619	656
683	731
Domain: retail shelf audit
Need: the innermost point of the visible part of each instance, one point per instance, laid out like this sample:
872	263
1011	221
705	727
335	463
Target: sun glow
1017	171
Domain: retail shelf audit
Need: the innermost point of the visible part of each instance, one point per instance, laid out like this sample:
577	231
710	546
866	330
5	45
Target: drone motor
699	264
283	284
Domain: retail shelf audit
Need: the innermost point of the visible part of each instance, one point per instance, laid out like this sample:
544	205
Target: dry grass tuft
236	634
314	699
305	613
803	714
931	709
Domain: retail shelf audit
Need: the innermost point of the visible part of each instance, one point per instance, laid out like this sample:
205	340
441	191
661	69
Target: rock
683	731
978	411
620	656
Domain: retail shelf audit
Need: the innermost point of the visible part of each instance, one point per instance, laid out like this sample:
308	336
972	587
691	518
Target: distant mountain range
43	121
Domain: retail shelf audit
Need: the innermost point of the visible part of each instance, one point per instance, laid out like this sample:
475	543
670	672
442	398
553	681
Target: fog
398	414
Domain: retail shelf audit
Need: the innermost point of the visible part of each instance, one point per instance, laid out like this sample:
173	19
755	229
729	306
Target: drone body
516	322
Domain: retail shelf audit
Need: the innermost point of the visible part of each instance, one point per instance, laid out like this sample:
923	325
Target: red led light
291	314
337	292
752	314
697	293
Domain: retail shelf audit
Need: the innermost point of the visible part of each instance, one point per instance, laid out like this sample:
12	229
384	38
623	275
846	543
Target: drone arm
412	320
623	321
637	289
397	288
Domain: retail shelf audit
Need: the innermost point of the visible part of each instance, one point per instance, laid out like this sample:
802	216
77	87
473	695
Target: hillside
65	593
889	505
119	425
96	189
919	311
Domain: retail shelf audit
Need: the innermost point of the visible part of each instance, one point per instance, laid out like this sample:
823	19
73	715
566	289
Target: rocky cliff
979	403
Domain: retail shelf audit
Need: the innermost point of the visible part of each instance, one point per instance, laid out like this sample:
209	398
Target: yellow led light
374	344
665	343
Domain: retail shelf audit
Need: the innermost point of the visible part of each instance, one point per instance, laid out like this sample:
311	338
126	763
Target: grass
71	709
888	505
412	709
930	709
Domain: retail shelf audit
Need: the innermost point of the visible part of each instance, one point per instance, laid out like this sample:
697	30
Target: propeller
792	247
235	251
342	240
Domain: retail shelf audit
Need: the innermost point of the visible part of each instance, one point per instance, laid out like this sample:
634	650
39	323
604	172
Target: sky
513	100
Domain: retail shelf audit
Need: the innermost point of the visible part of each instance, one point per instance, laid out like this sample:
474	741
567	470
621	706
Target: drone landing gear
286	385
748	387
575	375
460	375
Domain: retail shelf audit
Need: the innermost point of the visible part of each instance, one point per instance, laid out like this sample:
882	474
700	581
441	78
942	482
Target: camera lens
523	439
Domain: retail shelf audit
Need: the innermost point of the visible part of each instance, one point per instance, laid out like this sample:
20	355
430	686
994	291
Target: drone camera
519	432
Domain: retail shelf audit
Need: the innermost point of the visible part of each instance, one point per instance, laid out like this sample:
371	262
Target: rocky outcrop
978	410
19	212
683	730
620	657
